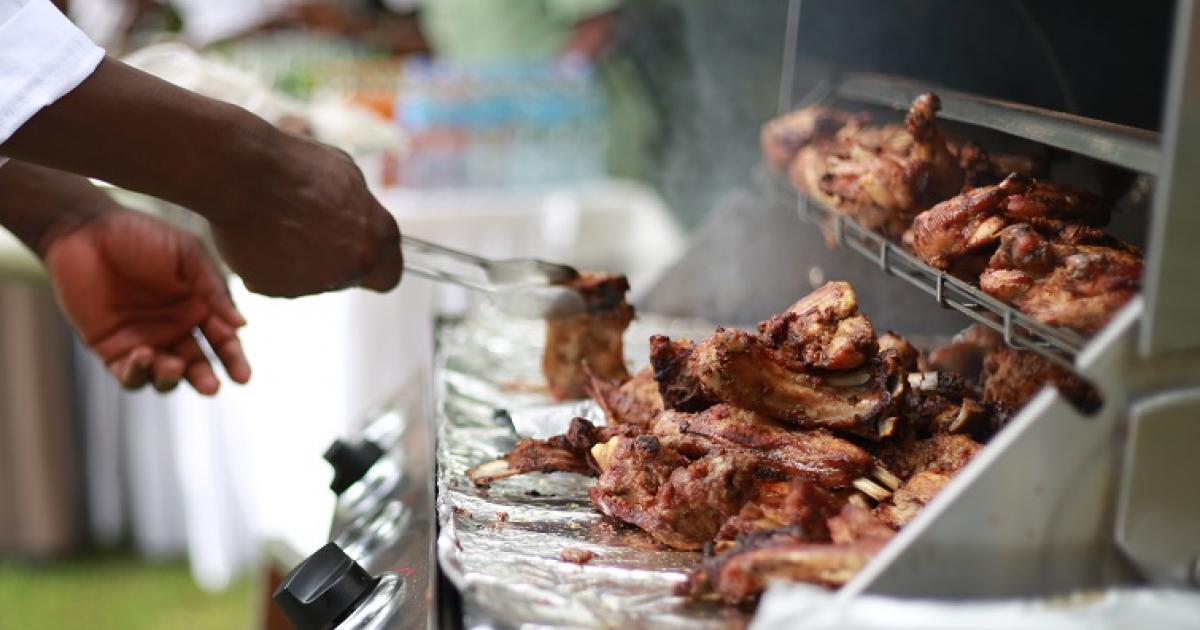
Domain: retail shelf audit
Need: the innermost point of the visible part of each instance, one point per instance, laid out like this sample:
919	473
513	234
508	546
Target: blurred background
596	132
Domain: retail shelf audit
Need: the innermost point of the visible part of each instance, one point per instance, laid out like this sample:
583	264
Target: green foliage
117	591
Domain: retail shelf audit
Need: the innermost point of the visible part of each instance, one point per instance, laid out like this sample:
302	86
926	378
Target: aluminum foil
502	547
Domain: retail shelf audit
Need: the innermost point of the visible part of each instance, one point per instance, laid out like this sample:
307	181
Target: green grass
117	592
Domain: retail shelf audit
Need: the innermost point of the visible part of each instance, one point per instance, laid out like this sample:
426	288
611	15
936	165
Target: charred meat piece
678	387
529	456
964	354
960	234
816	455
697	499
885	176
783	137
569	452
857	523
943	453
911	498
906	353
740	575
801	506
738	368
635	401
1071	285
823	330
594	337
1012	378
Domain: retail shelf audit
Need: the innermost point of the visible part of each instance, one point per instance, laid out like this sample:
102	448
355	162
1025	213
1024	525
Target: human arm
290	215
134	287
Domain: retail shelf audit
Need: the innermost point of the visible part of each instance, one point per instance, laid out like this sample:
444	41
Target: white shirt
42	57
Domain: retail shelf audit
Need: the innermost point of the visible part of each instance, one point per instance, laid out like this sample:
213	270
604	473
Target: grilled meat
635	401
1012	378
906	353
741	574
823	330
943	453
569	452
885	176
911	498
960	234
783	137
817	455
740	369
594	337
1077	286
678	387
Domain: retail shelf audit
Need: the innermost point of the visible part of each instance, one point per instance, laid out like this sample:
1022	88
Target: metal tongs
523	287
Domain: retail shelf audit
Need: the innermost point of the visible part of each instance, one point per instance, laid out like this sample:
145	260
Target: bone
485	474
884	475
872	489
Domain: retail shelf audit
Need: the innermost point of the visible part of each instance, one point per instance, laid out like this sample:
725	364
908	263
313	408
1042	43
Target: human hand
312	226
136	288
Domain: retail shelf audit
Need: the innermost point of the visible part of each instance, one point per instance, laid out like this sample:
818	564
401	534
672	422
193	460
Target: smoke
712	70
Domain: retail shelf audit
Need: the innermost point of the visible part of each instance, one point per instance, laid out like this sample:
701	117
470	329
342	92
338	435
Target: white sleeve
42	57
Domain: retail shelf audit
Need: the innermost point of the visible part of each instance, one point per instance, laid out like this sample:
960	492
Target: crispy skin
823	330
1076	286
783	137
594	337
1012	378
635	401
738	368
959	235
885	176
817	455
678	387
908	501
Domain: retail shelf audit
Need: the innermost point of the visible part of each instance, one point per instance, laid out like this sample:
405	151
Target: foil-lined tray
502	546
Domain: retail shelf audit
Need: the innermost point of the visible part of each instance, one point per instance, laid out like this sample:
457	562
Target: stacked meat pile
795	451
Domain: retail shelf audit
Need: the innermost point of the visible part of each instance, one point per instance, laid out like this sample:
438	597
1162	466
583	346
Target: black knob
351	462
323	589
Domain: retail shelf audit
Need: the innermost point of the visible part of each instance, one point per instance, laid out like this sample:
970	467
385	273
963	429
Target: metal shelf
1057	345
1129	147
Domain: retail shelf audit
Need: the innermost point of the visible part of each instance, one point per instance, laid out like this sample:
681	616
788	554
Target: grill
1060	500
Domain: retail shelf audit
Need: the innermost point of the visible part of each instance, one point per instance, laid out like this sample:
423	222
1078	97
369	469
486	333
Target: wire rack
1135	149
1058	345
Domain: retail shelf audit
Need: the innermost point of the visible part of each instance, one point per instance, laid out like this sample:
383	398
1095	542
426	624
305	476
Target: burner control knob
323	590
351	462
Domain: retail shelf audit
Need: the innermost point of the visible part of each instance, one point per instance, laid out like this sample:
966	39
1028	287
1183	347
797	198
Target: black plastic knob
351	462
323	589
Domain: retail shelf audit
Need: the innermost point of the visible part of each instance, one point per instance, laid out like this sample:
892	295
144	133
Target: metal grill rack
1128	147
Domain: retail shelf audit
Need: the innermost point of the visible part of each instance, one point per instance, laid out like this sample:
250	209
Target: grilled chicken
739	368
1077	286
1012	378
960	234
678	387
636	401
885	176
570	452
783	137
594	337
824	330
817	455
